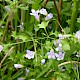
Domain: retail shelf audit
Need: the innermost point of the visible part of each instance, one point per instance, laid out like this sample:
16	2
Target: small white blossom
18	66
7	8
59	48
2	26
60	56
35	14
1	48
30	54
42	61
27	71
21	28
78	35
51	54
43	11
78	54
57	42
61	36
49	16
60	45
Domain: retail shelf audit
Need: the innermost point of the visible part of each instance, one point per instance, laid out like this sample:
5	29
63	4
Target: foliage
39	40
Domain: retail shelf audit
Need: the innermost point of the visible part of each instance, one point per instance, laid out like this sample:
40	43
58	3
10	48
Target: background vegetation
20	31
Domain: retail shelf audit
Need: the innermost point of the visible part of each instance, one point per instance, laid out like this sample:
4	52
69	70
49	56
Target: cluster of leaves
22	31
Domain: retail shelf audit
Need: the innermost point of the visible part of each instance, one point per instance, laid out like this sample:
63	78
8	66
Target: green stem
35	45
22	21
35	51
42	49
16	23
74	15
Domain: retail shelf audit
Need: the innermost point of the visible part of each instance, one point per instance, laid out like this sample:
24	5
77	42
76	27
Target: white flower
78	54
42	61
21	28
60	45
43	11
51	54
1	48
37	17
59	48
77	35
18	66
2	26
7	8
49	16
56	42
35	14
30	54
27	71
61	36
60	56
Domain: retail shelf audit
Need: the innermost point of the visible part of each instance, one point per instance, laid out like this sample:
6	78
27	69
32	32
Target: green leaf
36	5
66	47
67	30
36	27
78	20
23	37
68	21
59	78
50	4
48	45
43	24
75	47
66	8
14	35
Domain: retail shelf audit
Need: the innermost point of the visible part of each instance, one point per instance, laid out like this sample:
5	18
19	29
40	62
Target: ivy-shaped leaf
23	37
65	46
14	35
43	24
78	20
